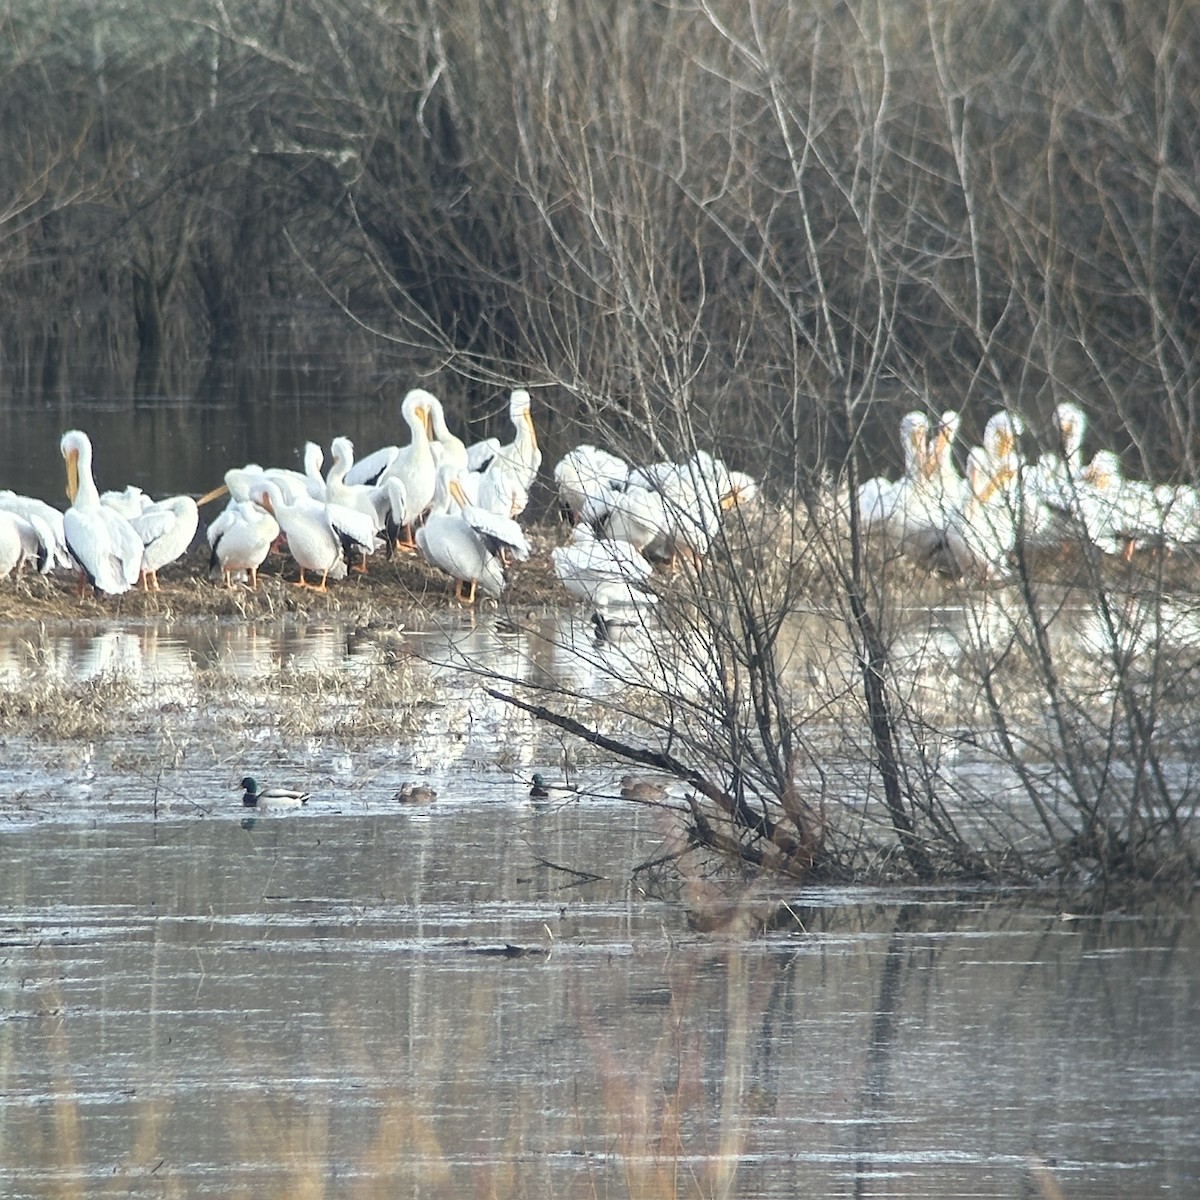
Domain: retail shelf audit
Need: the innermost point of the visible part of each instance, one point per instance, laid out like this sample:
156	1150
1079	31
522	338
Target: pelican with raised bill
104	545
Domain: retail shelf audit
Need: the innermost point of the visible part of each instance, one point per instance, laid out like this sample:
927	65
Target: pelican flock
631	524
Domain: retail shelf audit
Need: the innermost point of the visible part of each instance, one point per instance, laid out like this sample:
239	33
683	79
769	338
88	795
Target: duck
415	793
542	789
643	791
273	797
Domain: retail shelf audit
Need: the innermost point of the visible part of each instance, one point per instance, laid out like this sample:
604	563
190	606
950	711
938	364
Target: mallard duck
275	797
415	793
543	789
645	791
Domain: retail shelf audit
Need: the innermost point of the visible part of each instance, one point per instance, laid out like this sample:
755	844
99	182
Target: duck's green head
250	784
538	781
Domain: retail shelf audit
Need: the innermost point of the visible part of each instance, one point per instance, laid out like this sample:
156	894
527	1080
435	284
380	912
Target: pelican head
418	408
519	406
1001	432
1071	422
914	439
1104	470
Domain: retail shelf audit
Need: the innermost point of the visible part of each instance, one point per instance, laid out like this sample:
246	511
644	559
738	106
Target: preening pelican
586	477
466	541
128	502
166	528
241	538
448	448
313	538
103	544
638	516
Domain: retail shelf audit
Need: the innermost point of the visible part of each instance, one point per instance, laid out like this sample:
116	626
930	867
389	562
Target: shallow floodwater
434	999
484	997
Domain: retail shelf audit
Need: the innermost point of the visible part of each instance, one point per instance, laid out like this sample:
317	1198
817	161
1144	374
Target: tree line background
773	224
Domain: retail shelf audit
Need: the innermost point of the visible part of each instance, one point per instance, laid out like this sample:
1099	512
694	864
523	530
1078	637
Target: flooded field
485	996
344	1003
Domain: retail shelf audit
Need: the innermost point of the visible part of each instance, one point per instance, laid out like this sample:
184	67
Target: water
363	996
484	997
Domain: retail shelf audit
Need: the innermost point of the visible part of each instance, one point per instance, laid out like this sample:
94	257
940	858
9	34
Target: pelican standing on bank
314	538
103	544
166	528
466	541
241	538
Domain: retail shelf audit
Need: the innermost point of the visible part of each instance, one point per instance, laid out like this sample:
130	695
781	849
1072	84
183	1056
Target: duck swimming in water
274	797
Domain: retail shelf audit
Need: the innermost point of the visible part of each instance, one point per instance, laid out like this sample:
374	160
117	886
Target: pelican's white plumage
130	501
241	538
637	515
413	465
166	528
586	477
105	546
314	538
984	530
883	503
518	459
47	522
449	450
605	573
466	541
15	538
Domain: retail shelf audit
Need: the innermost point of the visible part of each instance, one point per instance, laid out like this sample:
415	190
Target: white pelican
316	537
129	502
15	534
448	448
413	465
519	458
943	473
1118	514
241	538
466	541
358	497
636	515
879	499
105	546
604	573
1050	494
586	478
981	534
166	528
47	522
694	493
